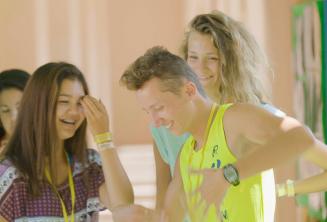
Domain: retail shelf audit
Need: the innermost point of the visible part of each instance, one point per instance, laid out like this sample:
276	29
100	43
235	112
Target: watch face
231	174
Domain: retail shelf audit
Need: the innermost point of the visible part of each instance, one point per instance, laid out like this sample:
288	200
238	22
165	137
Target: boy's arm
175	206
273	141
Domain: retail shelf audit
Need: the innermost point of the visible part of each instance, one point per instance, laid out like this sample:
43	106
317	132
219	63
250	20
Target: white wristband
281	190
106	146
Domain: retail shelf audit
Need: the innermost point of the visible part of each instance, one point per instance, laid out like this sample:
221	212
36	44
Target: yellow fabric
243	203
72	192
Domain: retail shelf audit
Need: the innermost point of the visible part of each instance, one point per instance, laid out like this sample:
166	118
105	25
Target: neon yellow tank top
243	203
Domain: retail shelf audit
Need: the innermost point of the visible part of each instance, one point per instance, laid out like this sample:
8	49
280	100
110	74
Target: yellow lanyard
213	111
72	192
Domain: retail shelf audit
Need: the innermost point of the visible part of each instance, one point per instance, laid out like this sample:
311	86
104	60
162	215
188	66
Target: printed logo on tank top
216	162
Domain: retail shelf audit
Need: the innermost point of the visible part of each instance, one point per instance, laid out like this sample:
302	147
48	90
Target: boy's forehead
152	94
149	94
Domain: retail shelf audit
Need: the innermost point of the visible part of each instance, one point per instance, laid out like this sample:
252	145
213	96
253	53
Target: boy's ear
190	89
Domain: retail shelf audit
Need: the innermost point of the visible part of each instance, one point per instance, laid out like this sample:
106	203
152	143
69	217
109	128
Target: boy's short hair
159	63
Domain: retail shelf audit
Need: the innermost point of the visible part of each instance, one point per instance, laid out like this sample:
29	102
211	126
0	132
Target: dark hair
35	136
160	63
12	78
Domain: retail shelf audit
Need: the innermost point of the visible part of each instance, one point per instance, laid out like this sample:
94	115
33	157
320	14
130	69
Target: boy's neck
200	122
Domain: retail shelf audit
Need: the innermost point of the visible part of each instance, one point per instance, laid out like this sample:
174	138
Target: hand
3	144
133	213
213	187
96	115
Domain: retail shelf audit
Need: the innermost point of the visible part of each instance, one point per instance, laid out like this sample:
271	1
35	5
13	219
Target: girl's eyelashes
192	57
63	101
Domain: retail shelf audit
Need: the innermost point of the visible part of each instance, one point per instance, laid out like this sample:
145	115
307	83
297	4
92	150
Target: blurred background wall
102	37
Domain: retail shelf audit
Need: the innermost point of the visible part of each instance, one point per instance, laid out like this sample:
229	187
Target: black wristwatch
231	174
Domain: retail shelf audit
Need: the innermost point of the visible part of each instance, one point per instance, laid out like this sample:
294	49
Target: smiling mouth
69	122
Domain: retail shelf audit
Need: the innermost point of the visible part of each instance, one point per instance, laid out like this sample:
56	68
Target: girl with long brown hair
47	173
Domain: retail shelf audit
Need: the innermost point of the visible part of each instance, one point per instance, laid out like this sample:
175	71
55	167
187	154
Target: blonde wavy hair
242	63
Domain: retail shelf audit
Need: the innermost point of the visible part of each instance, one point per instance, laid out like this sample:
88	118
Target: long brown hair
35	138
243	64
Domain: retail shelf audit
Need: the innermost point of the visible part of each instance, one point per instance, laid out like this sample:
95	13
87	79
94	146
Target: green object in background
322	7
297	13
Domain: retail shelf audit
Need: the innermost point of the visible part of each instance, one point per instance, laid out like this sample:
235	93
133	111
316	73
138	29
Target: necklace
72	191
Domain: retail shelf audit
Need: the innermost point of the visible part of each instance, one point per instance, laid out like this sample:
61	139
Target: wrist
223	182
105	146
285	189
104	141
104	137
281	190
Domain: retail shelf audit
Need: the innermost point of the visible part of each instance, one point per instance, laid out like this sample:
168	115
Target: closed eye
63	101
193	57
213	58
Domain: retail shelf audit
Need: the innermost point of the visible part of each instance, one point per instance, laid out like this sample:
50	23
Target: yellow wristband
103	137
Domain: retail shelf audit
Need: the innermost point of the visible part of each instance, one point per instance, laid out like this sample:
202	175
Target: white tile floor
138	162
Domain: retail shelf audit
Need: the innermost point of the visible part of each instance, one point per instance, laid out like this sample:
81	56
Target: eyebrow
67	95
208	53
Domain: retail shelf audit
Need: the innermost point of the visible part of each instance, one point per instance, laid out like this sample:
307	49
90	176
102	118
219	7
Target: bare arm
163	177
117	189
269	142
175	201
316	183
284	147
273	140
2	219
313	184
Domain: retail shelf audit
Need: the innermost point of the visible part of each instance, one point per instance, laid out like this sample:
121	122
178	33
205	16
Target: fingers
200	172
93	107
200	203
96	115
90	104
196	171
206	211
89	112
97	103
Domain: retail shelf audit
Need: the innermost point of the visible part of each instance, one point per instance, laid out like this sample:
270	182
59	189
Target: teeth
68	121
